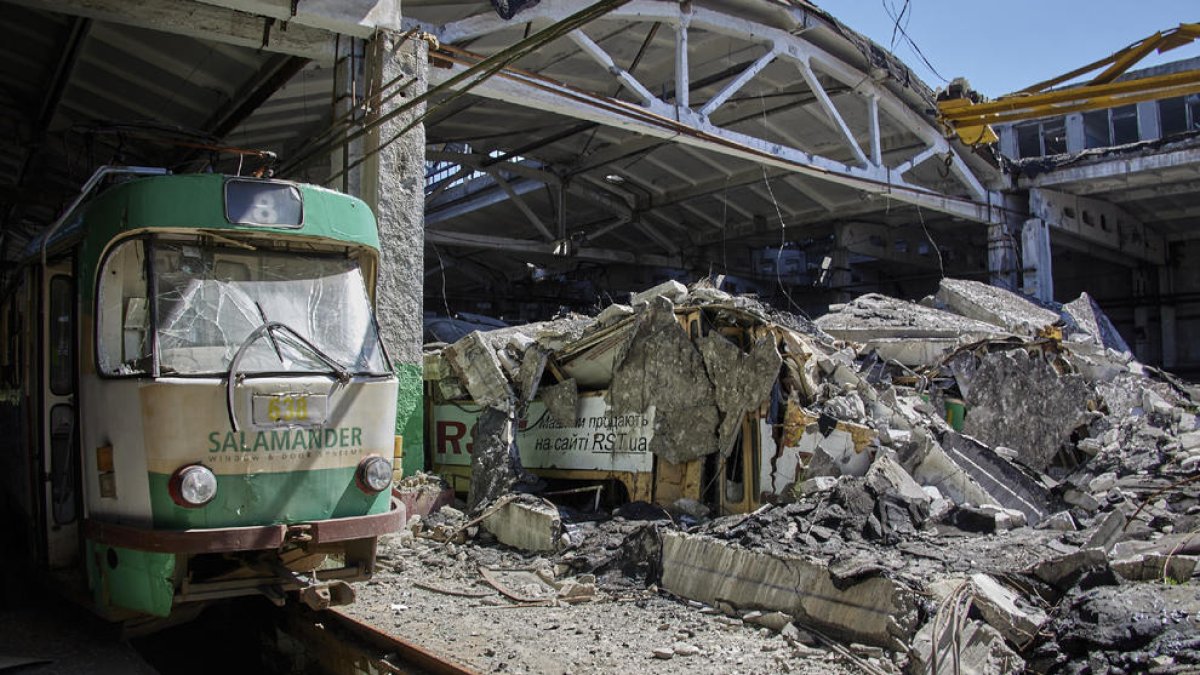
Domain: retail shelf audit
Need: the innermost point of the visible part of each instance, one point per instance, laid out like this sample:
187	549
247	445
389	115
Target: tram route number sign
290	410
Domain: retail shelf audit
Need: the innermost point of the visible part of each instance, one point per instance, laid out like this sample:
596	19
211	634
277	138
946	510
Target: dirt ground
619	630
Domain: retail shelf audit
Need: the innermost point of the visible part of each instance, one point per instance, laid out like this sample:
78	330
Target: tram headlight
193	486
374	474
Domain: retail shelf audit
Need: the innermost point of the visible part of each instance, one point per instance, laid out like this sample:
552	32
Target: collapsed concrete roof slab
994	305
1021	401
873	317
664	371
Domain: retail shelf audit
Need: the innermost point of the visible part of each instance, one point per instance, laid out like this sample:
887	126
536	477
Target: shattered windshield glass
210	300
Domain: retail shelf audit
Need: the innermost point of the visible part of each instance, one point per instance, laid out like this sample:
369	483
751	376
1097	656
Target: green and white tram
196	400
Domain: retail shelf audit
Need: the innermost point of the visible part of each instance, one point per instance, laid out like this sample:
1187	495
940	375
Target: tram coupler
327	594
318	595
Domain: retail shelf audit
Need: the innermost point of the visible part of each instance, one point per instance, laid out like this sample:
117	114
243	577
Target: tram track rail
339	644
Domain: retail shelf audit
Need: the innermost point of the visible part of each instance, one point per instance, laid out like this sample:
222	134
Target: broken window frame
1051	136
1188	114
373	359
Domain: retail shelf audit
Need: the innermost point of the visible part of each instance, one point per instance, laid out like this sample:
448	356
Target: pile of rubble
972	483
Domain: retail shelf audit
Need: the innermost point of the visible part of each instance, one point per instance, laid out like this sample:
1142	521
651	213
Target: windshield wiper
274	330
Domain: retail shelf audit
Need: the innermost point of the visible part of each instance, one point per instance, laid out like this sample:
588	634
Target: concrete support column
394	186
350	83
1002	256
1166	314
1038	263
838	274
1141	315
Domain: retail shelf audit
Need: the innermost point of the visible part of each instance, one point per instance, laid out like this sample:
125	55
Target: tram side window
123	346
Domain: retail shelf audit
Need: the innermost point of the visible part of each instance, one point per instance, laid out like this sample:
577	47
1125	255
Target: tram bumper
254	538
151	571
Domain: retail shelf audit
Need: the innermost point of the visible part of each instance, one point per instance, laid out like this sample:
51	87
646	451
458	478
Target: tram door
59	433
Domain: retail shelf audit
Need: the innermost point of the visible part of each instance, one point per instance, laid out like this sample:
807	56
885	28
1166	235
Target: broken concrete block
886	476
1108	532
1087	316
818	484
529	524
574	591
1019	400
1061	521
478	368
874	609
994	305
671	290
742	382
562	401
495	460
1103	483
976	650
1184	543
1064	571
911	352
776	621
1156	567
613	313
1016	620
936	468
1005	483
663	370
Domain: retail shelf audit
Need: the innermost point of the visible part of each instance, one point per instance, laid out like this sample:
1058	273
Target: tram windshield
211	302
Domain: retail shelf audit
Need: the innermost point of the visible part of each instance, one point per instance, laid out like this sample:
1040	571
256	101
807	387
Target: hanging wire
907	38
937	249
468	79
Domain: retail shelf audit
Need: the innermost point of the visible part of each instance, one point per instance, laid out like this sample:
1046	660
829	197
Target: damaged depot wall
663	370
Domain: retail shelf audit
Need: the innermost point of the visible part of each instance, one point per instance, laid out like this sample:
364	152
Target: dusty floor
617	632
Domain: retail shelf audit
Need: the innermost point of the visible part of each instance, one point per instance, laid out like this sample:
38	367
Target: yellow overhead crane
964	114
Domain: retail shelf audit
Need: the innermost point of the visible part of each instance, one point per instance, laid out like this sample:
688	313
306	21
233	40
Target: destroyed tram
196	400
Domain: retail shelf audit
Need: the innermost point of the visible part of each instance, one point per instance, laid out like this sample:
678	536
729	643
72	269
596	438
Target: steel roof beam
357	18
694	127
202	21
462	239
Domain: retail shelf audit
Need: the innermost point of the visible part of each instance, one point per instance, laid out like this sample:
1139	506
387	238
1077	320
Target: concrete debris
996	306
874	610
974	486
742	382
664	372
1156	567
1002	608
672	291
1019	400
562	401
527	523
495	463
874	317
1124	629
423	494
479	369
974	649
1093	324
